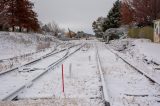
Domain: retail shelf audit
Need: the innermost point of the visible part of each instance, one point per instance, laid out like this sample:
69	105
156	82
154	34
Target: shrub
133	32
43	45
145	32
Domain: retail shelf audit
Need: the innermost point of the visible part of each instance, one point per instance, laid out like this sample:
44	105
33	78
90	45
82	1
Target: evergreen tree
113	17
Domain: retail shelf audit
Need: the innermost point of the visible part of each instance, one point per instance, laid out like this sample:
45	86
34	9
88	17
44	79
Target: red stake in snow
62	78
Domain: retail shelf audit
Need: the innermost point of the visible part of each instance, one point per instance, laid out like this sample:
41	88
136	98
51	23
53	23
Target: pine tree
113	17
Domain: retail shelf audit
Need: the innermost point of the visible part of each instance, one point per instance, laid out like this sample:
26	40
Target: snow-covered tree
52	28
98	26
45	28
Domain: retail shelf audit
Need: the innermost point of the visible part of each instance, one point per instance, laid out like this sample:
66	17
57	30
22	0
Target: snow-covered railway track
9	93
125	85
142	70
36	60
104	87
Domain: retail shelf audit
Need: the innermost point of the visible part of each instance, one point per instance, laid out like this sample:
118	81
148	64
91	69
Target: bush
43	45
133	33
145	32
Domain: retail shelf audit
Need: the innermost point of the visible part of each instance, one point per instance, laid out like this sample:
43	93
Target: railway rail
104	86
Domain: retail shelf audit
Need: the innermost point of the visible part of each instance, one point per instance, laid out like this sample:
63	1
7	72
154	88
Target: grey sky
73	14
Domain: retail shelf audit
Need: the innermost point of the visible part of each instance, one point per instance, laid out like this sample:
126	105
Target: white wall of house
157	31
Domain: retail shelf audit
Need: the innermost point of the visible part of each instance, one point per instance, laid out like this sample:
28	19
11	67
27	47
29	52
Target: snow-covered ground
81	80
125	86
13	80
140	49
143	52
20	48
148	50
145	56
48	102
16	44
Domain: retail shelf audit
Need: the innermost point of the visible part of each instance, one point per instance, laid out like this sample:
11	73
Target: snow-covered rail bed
15	82
81	77
125	85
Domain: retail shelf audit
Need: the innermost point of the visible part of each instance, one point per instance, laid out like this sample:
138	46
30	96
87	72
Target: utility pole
69	33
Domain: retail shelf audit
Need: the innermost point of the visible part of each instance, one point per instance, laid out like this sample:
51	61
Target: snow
81	80
20	48
49	102
142	49
142	54
124	85
150	50
44	63
16	79
15	44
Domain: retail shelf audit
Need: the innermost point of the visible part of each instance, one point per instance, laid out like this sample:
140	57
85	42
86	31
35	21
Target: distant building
157	31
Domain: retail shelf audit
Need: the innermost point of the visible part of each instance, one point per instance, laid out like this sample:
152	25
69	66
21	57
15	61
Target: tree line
18	13
138	13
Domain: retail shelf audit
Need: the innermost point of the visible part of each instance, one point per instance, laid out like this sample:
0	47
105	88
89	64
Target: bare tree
54	28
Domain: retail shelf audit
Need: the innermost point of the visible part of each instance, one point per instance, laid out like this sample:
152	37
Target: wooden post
62	78
70	70
89	58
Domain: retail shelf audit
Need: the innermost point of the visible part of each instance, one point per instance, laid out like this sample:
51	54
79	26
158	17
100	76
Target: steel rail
104	86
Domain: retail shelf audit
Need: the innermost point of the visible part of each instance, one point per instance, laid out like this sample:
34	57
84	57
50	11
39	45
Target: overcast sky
74	14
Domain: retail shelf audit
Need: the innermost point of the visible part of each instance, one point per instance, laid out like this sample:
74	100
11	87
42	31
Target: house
157	31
